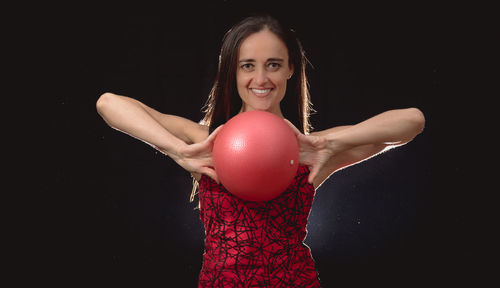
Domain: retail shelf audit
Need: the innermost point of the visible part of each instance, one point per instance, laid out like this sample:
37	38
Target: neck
276	111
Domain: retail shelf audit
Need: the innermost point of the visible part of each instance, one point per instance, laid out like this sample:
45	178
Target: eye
247	66
274	65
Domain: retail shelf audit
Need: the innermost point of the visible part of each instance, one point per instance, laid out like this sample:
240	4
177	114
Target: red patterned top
257	244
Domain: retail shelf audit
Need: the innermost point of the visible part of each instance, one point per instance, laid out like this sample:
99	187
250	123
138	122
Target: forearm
128	116
390	127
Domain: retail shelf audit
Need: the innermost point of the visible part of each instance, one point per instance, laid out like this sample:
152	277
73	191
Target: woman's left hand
313	152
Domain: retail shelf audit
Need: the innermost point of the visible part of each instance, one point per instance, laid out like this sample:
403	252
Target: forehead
262	45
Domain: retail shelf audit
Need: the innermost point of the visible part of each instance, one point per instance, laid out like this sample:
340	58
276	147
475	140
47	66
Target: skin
263	65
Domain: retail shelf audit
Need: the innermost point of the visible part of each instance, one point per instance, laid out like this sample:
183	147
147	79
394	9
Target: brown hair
224	102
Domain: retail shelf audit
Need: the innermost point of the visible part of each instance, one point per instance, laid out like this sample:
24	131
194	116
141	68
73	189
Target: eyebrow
269	59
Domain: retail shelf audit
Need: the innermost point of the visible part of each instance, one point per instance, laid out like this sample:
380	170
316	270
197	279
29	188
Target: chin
258	107
260	104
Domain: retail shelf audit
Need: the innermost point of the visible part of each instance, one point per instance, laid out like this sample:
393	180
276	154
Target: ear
291	70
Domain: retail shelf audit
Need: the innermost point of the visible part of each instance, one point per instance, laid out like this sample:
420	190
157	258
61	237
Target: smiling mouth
261	92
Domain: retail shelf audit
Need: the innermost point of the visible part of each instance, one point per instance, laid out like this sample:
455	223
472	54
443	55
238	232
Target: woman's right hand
197	158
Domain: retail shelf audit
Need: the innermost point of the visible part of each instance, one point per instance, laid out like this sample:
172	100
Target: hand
313	152
197	158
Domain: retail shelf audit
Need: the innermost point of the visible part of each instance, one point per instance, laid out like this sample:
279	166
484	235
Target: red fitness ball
256	155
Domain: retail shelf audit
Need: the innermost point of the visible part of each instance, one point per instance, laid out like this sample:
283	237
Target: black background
111	211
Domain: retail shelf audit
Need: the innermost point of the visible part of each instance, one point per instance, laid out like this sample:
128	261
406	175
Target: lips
261	92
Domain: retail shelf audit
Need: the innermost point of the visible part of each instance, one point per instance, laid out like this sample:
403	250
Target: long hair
224	102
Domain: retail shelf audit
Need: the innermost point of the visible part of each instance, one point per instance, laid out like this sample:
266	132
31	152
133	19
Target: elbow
417	119
104	101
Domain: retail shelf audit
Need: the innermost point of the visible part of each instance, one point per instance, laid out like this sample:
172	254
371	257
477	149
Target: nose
260	77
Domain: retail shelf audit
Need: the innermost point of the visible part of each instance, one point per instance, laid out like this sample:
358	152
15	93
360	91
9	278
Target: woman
259	244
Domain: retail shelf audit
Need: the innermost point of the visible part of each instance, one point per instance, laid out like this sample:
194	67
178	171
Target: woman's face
262	72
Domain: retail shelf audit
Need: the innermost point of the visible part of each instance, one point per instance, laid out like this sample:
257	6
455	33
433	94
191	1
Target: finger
312	174
217	130
295	130
212	136
300	136
209	162
210	172
194	149
205	144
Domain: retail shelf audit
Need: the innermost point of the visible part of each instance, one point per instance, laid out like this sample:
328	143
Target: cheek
241	83
281	77
282	87
280	82
241	78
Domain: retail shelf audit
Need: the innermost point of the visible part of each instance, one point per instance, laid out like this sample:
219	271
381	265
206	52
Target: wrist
337	143
173	150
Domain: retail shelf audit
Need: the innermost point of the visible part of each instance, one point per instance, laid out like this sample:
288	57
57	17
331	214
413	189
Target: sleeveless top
257	244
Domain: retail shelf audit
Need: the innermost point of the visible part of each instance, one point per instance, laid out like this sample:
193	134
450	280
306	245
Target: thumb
213	135
314	170
295	130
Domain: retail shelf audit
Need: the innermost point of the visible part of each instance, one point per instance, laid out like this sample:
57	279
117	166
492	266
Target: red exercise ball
256	155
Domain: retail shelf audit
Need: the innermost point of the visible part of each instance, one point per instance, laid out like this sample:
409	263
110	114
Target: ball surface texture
256	155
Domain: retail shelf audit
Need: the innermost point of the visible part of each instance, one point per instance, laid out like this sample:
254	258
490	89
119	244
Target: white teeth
261	91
